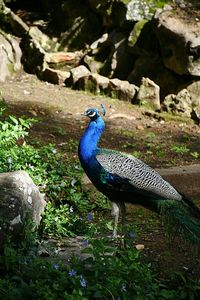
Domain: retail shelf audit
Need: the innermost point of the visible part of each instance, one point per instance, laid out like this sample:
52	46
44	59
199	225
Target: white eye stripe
92	114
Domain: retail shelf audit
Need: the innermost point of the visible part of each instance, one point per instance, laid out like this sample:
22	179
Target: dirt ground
128	128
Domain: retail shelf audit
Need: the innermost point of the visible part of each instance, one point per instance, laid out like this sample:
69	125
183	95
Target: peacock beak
84	113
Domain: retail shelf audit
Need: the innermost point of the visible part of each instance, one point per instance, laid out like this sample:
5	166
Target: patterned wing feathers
136	172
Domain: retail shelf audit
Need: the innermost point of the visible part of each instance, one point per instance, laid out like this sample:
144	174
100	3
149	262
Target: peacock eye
91	114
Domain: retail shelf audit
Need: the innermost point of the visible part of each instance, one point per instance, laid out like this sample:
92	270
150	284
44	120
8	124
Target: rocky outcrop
179	39
82	78
186	102
109	47
19	199
10	56
194	91
179	104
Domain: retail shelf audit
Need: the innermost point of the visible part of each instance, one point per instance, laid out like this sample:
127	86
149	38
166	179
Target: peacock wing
128	171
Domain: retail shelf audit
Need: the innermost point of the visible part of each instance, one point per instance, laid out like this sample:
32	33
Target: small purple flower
72	272
83	282
56	266
85	243
89	217
131	234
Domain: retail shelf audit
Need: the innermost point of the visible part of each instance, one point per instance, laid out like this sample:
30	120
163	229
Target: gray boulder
149	94
178	104
19	199
8	17
10	56
179	39
194	90
94	83
186	102
76	74
122	90
138	10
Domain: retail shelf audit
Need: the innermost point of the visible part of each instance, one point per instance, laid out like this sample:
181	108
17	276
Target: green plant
12	129
194	154
107	272
136	154
59	221
180	149
151	136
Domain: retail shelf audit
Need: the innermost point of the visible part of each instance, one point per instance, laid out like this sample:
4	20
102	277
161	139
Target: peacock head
92	113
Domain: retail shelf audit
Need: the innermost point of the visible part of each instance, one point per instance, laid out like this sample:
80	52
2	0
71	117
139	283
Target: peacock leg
115	213
123	214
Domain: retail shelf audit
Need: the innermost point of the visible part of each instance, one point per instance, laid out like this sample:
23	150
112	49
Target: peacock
123	178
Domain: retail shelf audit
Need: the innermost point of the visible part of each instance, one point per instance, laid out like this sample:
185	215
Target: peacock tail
183	218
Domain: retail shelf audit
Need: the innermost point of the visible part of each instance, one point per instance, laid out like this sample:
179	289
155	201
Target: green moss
11	68
174	117
136	32
126	1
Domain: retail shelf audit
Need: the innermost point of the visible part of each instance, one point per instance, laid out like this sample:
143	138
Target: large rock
63	60
16	24
149	94
120	13
111	55
10	55
139	10
179	39
54	76
123	90
34	46
76	74
186	102
76	22
19	199
194	90
179	104
94	83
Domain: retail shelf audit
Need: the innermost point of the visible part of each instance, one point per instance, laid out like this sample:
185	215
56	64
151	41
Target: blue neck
89	140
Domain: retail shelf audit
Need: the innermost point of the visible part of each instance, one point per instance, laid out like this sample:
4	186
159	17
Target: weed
180	149
194	154
136	154
59	221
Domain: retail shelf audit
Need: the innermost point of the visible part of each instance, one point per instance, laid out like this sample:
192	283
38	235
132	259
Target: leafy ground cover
47	149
